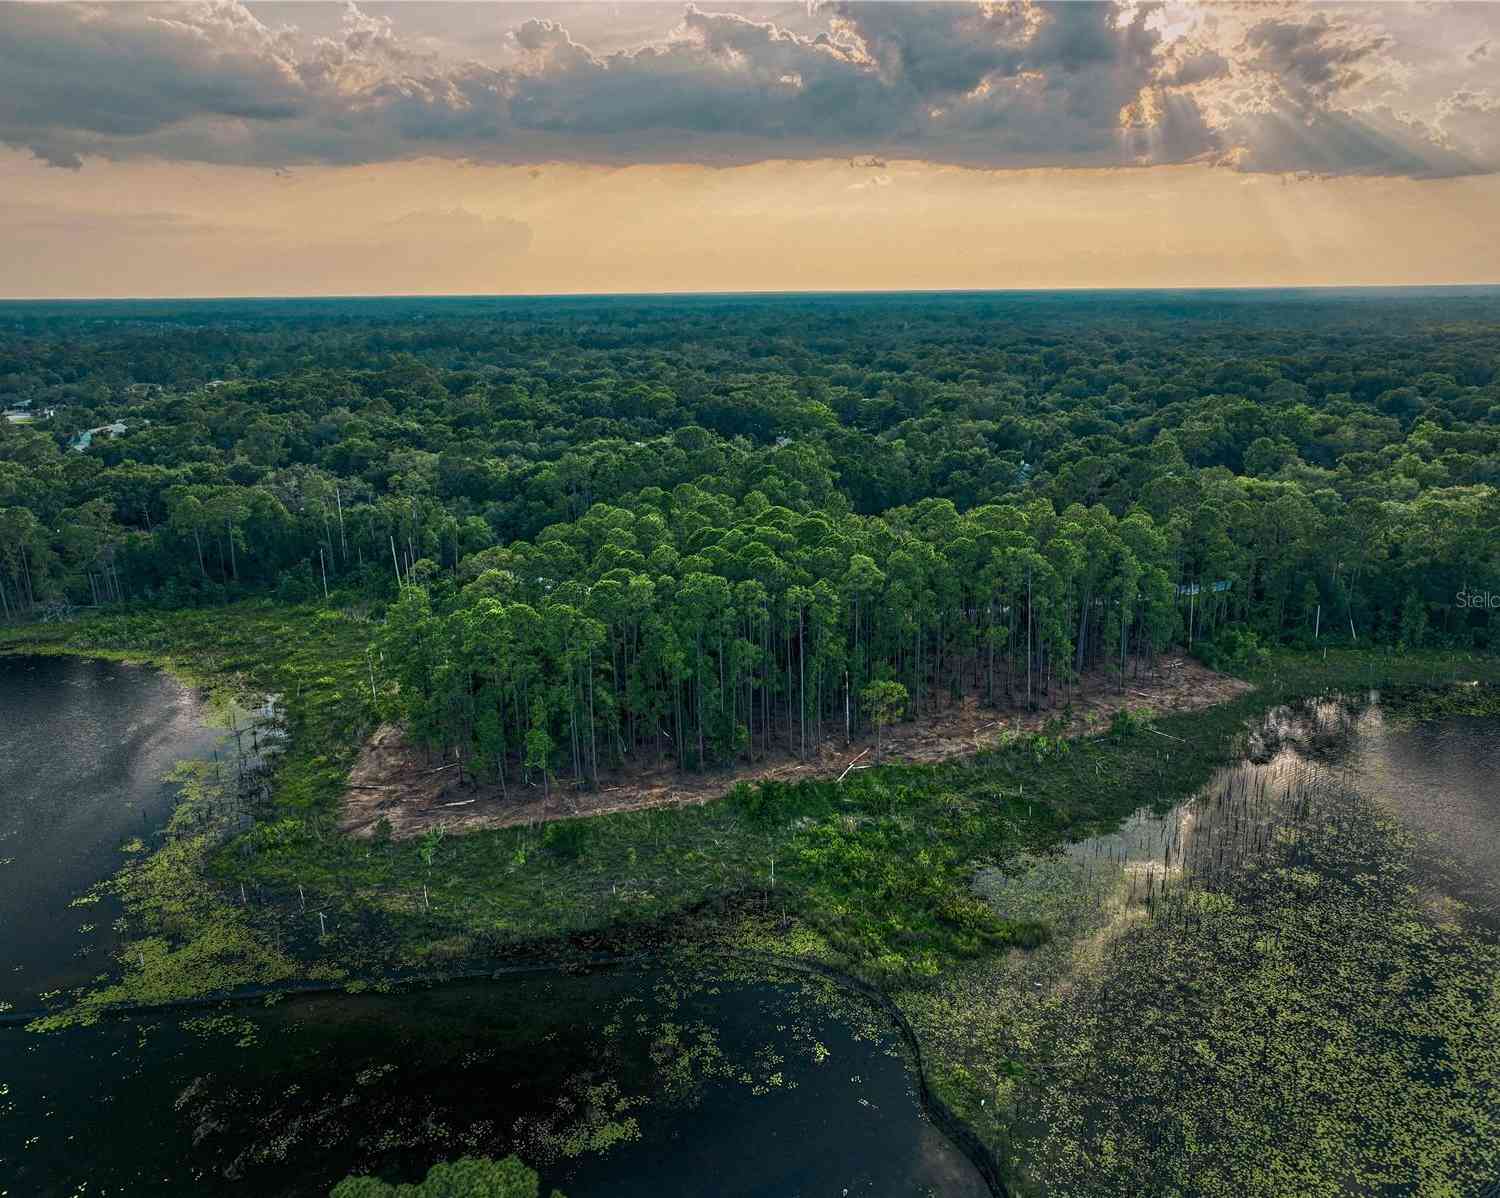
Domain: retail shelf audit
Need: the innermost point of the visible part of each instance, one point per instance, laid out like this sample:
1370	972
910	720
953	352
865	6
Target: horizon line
1191	288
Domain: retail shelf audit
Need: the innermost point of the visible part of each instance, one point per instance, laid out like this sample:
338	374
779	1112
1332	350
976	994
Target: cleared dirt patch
401	783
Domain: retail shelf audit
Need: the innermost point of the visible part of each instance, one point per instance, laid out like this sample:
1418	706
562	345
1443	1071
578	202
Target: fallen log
850	766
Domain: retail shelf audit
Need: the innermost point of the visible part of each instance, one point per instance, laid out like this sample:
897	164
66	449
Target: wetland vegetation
1118	943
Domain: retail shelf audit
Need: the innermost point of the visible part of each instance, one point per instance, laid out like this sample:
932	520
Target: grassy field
873	876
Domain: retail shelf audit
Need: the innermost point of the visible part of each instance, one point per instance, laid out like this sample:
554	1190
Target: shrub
566	838
1125	723
1233	648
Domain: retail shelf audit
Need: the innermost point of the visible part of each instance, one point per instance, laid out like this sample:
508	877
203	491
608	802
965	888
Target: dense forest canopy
714	527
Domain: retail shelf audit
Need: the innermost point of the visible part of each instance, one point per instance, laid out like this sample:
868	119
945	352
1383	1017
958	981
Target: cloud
1316	59
1001	84
1313	93
1373	141
1470	121
1192	65
74	77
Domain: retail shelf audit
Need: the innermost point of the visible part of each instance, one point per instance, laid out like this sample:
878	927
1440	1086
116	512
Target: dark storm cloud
73	77
1006	84
1200	65
1317	58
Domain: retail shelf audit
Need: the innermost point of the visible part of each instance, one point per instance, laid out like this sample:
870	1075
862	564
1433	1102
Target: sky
214	147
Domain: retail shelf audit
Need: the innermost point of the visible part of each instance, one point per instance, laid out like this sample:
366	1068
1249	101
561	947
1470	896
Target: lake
84	749
618	1082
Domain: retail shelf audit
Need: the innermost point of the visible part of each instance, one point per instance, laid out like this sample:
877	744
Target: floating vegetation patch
591	1115
242	1032
1259	993
476	1177
1412	705
195	941
1065	895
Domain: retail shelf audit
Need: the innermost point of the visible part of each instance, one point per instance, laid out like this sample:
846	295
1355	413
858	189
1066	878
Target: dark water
1440	780
614	1083
84	749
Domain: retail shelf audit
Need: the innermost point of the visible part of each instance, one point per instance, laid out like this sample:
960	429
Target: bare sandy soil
399	782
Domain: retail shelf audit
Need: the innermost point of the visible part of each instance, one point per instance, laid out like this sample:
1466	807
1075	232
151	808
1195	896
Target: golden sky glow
436	226
233	147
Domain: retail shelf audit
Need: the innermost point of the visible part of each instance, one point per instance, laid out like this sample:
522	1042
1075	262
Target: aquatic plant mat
1271	990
